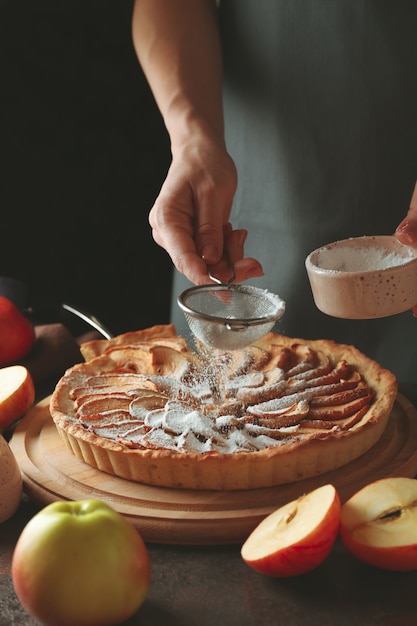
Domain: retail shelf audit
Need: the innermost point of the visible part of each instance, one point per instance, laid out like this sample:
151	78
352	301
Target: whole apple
17	334
80	563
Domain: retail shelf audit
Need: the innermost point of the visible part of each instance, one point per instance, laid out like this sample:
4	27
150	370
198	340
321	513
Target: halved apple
17	393
379	524
297	537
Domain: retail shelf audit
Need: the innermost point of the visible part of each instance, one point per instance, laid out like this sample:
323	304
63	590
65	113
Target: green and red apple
378	524
80	563
17	333
17	393
297	537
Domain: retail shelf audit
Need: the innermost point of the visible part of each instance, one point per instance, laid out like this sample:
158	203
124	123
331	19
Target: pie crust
146	407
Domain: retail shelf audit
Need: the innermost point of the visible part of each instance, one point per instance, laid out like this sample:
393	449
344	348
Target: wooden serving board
51	472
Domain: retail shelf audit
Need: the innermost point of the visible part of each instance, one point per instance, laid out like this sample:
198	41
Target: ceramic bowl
363	277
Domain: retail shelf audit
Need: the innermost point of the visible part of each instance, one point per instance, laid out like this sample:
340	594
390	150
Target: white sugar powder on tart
148	408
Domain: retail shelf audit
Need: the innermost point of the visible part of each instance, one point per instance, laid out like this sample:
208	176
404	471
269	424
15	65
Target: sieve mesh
230	317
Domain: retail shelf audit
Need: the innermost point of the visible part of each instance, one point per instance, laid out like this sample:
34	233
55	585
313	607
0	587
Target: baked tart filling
147	407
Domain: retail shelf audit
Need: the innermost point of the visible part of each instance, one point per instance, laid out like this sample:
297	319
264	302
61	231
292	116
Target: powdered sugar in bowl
363	277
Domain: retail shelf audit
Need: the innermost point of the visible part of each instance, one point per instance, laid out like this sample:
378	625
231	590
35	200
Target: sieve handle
226	257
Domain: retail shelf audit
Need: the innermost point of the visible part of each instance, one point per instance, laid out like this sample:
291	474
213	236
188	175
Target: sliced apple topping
311	368
149	401
101	404
285	417
336	397
243	400
239	362
244	381
263	393
278	406
346	409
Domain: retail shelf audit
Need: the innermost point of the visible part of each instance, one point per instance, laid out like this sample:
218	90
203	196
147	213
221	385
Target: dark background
83	154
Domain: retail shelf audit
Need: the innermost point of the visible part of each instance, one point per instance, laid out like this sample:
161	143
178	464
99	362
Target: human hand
190	218
406	231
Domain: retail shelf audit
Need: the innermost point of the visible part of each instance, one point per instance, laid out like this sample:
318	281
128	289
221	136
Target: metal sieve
230	317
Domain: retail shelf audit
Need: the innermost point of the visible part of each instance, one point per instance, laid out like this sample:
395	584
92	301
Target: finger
177	239
235	243
248	268
212	215
234	260
233	251
244	268
406	231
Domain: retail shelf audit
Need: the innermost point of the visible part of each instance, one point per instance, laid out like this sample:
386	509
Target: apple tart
147	407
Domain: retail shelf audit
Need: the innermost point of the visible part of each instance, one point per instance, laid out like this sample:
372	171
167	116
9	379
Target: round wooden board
51	472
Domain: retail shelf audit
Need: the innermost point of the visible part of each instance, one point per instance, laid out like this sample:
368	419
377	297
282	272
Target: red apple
378	524
17	393
17	334
297	537
80	563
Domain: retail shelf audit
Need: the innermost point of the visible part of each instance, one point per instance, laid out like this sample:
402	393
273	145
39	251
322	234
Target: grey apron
321	119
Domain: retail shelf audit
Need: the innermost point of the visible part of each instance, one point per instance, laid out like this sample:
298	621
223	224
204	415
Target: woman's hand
190	217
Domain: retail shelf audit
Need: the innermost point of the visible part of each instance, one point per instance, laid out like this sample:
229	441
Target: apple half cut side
378	524
17	393
297	537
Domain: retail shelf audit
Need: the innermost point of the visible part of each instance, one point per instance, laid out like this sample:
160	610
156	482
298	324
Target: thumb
406	231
